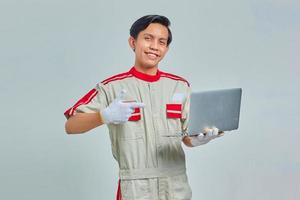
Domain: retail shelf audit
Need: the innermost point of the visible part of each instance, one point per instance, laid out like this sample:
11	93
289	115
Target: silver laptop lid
219	108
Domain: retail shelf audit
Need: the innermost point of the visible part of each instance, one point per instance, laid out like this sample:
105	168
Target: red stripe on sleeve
174	77
84	100
117	77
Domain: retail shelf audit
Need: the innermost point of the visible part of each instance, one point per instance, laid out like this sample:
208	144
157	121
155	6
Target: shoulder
174	77
117	77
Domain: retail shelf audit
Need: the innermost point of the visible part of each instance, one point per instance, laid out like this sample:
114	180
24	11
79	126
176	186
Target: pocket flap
174	110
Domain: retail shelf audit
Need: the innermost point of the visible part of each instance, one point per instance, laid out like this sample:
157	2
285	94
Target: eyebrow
148	34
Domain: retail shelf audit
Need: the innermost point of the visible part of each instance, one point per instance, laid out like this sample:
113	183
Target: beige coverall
147	147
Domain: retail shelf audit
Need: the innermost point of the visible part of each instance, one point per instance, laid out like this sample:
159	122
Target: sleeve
186	112
93	101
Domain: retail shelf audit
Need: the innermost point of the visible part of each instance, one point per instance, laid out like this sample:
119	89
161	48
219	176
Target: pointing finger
136	105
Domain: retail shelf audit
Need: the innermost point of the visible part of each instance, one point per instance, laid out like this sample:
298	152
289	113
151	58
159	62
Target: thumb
215	131
121	95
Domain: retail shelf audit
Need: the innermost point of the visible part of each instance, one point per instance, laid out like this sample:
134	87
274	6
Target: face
150	45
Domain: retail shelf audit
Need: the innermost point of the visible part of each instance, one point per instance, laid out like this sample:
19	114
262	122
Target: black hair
143	22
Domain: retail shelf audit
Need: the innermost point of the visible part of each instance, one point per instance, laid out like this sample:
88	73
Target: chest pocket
174	110
174	115
136	115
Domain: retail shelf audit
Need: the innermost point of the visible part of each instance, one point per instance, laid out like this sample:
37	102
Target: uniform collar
145	77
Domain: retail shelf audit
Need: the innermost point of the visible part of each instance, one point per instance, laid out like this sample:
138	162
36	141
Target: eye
162	42
147	38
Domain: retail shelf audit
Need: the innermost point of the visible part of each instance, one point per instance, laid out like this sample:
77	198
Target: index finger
136	105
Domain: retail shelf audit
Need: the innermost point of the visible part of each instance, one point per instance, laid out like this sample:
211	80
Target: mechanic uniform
147	147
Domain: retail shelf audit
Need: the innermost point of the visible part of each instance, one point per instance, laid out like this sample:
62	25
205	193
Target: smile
152	55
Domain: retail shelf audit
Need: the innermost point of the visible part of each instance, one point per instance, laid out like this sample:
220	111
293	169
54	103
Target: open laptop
219	108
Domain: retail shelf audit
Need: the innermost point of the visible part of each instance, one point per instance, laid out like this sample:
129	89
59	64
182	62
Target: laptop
219	108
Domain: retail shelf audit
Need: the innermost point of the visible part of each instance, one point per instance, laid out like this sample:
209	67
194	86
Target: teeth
151	54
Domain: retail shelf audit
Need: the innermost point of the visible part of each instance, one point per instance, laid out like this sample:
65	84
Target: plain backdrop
54	51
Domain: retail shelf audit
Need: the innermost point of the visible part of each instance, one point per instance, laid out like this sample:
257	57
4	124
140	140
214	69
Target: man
145	110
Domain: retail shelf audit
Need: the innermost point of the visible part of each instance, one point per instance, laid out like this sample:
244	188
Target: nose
154	45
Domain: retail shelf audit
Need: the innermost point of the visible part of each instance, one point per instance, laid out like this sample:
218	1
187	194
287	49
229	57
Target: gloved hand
207	135
118	111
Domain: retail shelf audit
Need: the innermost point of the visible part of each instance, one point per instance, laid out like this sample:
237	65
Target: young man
146	110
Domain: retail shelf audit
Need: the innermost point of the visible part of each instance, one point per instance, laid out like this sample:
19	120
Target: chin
151	65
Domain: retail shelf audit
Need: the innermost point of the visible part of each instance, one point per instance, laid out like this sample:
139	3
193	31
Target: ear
131	42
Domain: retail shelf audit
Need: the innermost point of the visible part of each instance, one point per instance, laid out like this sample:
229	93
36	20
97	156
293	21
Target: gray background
53	52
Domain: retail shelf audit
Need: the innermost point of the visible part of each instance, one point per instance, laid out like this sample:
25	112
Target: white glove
118	112
208	135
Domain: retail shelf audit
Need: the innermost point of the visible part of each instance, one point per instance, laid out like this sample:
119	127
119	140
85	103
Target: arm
117	112
83	122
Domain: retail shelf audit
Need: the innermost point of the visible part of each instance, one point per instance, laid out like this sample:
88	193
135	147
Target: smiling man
150	46
146	111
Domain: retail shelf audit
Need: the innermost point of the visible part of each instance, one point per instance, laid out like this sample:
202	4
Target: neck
150	71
